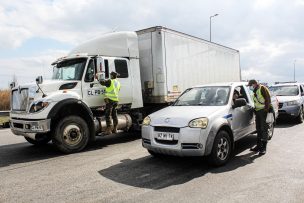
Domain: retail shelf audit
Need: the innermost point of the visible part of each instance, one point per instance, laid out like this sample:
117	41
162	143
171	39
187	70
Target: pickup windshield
204	96
69	69
285	90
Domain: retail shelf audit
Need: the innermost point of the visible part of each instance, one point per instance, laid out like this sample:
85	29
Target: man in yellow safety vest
262	104
111	99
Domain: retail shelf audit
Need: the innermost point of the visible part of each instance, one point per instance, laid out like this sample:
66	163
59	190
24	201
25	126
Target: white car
203	121
291	100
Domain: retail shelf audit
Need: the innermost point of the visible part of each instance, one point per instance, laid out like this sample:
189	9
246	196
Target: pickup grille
166	129
19	99
167	142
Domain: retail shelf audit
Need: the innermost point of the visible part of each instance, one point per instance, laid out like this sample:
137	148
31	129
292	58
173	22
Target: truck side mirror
101	76
39	80
239	103
12	85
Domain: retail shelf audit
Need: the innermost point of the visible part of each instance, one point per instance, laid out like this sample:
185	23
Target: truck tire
300	117
221	149
71	134
41	141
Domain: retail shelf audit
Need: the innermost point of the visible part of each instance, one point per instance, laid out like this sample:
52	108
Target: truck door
121	66
92	91
243	117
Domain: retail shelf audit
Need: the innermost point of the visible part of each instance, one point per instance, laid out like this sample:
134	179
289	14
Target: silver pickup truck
204	121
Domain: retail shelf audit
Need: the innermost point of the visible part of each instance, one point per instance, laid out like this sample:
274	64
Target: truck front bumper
26	127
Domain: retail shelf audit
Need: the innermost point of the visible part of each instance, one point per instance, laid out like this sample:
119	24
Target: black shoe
262	152
255	149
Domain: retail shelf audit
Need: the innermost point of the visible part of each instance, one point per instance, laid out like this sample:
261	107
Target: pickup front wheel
300	117
221	149
71	134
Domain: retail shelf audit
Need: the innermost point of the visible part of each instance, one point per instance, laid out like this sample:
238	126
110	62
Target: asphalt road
117	169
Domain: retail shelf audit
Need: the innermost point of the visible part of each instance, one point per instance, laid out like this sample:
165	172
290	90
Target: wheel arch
70	107
217	127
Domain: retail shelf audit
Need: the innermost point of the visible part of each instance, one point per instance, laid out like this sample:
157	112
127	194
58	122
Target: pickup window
286	90
204	96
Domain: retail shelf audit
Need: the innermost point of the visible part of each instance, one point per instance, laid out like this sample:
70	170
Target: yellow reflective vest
112	91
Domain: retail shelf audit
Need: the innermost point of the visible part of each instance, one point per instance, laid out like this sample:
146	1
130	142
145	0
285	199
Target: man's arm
267	98
106	83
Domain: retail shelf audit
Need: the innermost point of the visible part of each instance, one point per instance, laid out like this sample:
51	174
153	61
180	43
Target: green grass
3	119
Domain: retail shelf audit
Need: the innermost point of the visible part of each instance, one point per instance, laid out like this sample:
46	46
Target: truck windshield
69	69
204	96
285	90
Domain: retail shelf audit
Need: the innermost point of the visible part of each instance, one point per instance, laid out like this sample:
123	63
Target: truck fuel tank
124	123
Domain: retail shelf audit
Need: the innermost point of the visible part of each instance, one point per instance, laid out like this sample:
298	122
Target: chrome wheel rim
72	135
223	148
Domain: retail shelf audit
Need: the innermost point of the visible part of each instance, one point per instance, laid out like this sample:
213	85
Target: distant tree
4	100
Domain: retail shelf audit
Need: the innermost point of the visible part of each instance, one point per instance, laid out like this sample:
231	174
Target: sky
268	33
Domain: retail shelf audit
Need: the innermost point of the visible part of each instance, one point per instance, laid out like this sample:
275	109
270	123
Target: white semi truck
155	65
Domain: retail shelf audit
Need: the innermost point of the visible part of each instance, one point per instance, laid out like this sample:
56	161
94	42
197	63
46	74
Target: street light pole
294	70
210	23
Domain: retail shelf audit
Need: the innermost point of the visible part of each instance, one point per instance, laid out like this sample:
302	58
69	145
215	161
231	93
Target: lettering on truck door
92	94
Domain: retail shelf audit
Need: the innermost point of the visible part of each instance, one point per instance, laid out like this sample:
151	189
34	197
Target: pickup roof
204	121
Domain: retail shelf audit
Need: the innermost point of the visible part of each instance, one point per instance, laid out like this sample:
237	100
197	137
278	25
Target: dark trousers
262	128
111	111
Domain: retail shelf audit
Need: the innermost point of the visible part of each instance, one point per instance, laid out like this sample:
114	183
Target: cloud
269	34
26	69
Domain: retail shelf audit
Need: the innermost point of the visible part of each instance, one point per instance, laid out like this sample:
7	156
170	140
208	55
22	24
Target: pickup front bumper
25	127
289	111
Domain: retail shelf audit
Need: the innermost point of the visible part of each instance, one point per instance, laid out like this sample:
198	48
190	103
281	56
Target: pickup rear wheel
221	149
42	140
71	134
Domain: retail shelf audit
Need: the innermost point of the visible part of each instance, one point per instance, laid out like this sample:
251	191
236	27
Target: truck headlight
199	123
293	103
38	106
146	121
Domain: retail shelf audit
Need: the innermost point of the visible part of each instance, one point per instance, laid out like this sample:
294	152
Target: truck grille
19	99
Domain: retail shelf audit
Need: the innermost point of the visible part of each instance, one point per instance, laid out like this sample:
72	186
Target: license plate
165	136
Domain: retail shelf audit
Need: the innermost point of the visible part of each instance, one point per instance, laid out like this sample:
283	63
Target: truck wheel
221	149
71	134
43	140
300	117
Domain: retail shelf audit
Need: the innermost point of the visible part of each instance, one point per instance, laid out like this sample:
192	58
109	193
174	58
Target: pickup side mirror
239	103
39	80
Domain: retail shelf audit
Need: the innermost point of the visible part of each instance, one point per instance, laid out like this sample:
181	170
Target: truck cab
69	108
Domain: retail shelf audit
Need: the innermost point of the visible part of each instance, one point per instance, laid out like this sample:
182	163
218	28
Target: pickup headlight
38	106
293	103
199	123
146	121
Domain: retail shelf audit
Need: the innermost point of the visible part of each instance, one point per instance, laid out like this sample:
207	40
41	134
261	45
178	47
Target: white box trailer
171	61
